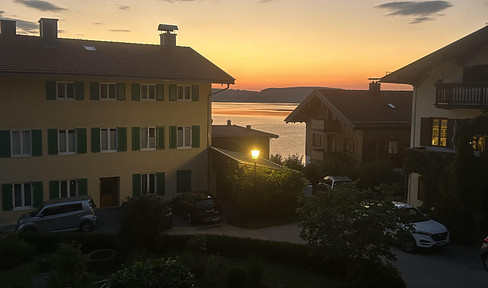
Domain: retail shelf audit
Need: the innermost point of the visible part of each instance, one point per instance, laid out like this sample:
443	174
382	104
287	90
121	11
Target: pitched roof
27	55
360	109
244	159
460	51
239	132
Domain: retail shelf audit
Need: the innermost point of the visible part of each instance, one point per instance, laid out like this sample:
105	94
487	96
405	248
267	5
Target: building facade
105	119
450	85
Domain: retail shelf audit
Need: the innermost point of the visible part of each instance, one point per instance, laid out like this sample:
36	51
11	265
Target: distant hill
269	95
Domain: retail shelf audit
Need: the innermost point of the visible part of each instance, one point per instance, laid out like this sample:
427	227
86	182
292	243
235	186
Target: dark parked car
484	252
197	207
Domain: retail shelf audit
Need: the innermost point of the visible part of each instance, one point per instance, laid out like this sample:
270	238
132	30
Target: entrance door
109	192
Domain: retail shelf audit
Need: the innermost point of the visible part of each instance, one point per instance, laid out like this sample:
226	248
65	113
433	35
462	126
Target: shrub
68	267
254	272
13	250
158	273
49	242
236	277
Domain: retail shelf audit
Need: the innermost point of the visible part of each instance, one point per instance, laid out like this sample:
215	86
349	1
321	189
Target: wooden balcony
461	95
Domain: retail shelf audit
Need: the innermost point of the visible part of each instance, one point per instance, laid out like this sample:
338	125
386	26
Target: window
392	147
184	137
184	92
23	195
479	143
317	140
439	132
148	138
68	188
108	139
65	90
148	92
67	141
21	143
108	91
148	182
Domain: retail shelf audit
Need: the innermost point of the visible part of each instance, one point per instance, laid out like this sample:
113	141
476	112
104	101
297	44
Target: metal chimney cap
167	27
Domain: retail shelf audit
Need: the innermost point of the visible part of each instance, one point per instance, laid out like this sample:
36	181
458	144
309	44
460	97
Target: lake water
266	117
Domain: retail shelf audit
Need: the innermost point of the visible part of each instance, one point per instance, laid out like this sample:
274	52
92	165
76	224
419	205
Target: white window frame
148	132
22	196
68	189
107	96
146	95
22	149
65	90
393	147
183	92
109	143
67	142
146	181
180	130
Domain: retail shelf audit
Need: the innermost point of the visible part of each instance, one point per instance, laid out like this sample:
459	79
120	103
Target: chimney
49	32
7	27
167	38
229	122
248	126
374	87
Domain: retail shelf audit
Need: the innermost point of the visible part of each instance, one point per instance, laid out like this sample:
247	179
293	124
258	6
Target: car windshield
204	203
411	215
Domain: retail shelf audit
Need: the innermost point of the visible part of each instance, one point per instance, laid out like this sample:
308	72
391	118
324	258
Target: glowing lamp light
255	154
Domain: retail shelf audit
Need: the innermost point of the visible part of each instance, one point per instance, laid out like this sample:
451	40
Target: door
109	192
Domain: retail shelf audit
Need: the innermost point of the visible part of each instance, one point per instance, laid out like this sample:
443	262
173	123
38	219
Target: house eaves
243	159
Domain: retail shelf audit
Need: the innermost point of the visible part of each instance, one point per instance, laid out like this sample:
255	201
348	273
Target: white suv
74	213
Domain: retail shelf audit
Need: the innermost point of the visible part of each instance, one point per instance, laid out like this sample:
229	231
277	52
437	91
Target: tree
68	267
294	162
353	224
314	174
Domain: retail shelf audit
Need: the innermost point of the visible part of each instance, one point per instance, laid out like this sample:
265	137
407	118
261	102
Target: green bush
236	277
254	272
68	268
157	273
14	250
49	242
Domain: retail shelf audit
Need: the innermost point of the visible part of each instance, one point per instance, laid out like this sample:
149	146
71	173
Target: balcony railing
461	95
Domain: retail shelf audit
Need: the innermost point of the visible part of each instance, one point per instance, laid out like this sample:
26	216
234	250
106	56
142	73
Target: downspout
209	136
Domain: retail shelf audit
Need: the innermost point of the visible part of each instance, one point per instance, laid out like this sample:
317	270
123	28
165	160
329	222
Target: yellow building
105	119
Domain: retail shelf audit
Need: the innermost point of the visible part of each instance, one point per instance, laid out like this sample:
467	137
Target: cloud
97	23
265	1
424	9
24	26
172	1
119	30
40	5
123	7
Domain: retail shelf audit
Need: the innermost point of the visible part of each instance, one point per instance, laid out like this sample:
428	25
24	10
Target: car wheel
86	226
189	219
484	258
409	245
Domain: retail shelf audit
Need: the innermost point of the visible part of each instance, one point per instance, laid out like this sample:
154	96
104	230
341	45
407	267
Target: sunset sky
272	43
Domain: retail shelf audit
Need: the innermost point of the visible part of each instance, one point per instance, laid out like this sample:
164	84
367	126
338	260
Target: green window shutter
120	91
136	184
121	139
81	140
51	90
95	140
7	200
53	189
183	181
5	144
172	137
136	92
38	194
94	91
136	138
195	92
82	186
36	142
160	142
172	92
80	91
159	92
161	183
195	136
52	141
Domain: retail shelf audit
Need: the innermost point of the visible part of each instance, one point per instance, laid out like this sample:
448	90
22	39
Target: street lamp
255	156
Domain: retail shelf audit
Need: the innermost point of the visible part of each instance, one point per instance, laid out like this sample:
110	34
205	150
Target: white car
426	232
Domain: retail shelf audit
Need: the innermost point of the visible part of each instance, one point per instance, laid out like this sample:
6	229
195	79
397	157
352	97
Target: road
450	267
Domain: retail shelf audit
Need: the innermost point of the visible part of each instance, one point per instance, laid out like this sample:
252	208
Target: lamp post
255	156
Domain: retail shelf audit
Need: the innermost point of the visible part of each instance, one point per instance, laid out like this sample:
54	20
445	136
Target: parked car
426	233
329	182
74	213
484	252
197	208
